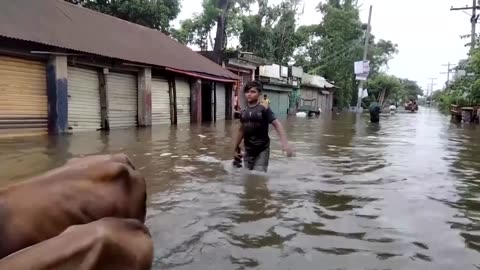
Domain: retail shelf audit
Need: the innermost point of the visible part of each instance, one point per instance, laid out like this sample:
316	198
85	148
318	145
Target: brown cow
110	243
82	191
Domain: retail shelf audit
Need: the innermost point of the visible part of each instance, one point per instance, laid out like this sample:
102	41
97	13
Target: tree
225	14
155	14
380	53
384	87
330	48
271	33
336	46
197	31
464	91
411	90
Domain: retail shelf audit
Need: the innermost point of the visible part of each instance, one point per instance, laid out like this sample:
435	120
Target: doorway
207	102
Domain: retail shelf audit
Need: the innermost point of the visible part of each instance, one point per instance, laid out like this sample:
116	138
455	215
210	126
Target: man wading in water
255	120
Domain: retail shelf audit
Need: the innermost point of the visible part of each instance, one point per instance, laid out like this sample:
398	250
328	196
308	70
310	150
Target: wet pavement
403	194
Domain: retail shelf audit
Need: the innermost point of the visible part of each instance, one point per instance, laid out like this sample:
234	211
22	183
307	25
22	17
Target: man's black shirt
255	121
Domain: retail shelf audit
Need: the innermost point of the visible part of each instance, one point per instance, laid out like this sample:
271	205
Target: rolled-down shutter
122	100
160	101
325	102
274	100
183	100
84	111
283	103
220	100
23	102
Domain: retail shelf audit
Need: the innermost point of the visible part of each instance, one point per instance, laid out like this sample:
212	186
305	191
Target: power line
325	64
343	50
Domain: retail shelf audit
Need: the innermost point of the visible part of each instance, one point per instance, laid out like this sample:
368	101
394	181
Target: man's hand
237	154
288	150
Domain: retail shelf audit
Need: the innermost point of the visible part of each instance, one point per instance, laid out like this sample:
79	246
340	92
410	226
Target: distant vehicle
411	106
309	107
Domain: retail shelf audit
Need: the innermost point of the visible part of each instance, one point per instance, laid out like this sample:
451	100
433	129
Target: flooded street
403	194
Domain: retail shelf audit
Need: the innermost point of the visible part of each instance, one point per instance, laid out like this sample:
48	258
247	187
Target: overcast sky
426	31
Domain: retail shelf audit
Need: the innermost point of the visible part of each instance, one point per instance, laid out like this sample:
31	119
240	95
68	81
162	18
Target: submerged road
403	194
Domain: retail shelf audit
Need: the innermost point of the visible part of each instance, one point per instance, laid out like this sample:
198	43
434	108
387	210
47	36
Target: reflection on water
401	194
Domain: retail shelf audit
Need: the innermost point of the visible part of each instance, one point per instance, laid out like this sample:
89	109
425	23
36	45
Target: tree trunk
220	38
381	98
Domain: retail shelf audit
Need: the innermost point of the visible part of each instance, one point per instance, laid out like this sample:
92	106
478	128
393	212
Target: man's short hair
253	84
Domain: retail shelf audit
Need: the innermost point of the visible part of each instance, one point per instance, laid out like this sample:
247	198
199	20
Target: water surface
402	194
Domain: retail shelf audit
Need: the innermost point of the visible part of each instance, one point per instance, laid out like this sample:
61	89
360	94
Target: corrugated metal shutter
83	99
309	93
325	101
283	103
160	101
330	101
274	98
221	102
23	102
122	100
183	100
322	101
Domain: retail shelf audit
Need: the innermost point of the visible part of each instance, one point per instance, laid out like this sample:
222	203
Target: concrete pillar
145	97
57	94
230	96
196	100
103	78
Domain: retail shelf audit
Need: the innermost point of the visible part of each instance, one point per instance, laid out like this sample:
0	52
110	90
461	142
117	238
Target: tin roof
64	25
316	81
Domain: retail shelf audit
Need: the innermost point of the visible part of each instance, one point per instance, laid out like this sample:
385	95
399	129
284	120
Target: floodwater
402	194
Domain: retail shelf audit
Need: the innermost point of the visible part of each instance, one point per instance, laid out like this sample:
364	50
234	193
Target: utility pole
365	54
449	70
431	90
473	22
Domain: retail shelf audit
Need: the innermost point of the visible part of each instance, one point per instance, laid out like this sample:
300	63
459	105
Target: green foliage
328	48
466	90
389	84
463	92
197	30
381	53
155	14
396	90
271	33
332	47
410	90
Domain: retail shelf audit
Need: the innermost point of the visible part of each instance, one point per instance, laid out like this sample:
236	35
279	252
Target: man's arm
238	138
283	137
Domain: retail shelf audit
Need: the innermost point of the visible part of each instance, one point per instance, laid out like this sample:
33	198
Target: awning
271	87
201	76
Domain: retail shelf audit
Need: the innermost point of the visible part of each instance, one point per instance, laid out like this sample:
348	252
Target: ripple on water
399	195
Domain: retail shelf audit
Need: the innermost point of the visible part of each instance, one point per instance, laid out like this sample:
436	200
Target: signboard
283	71
297	72
271	71
362	69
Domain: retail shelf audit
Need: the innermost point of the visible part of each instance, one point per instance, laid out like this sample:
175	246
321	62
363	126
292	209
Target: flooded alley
403	194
